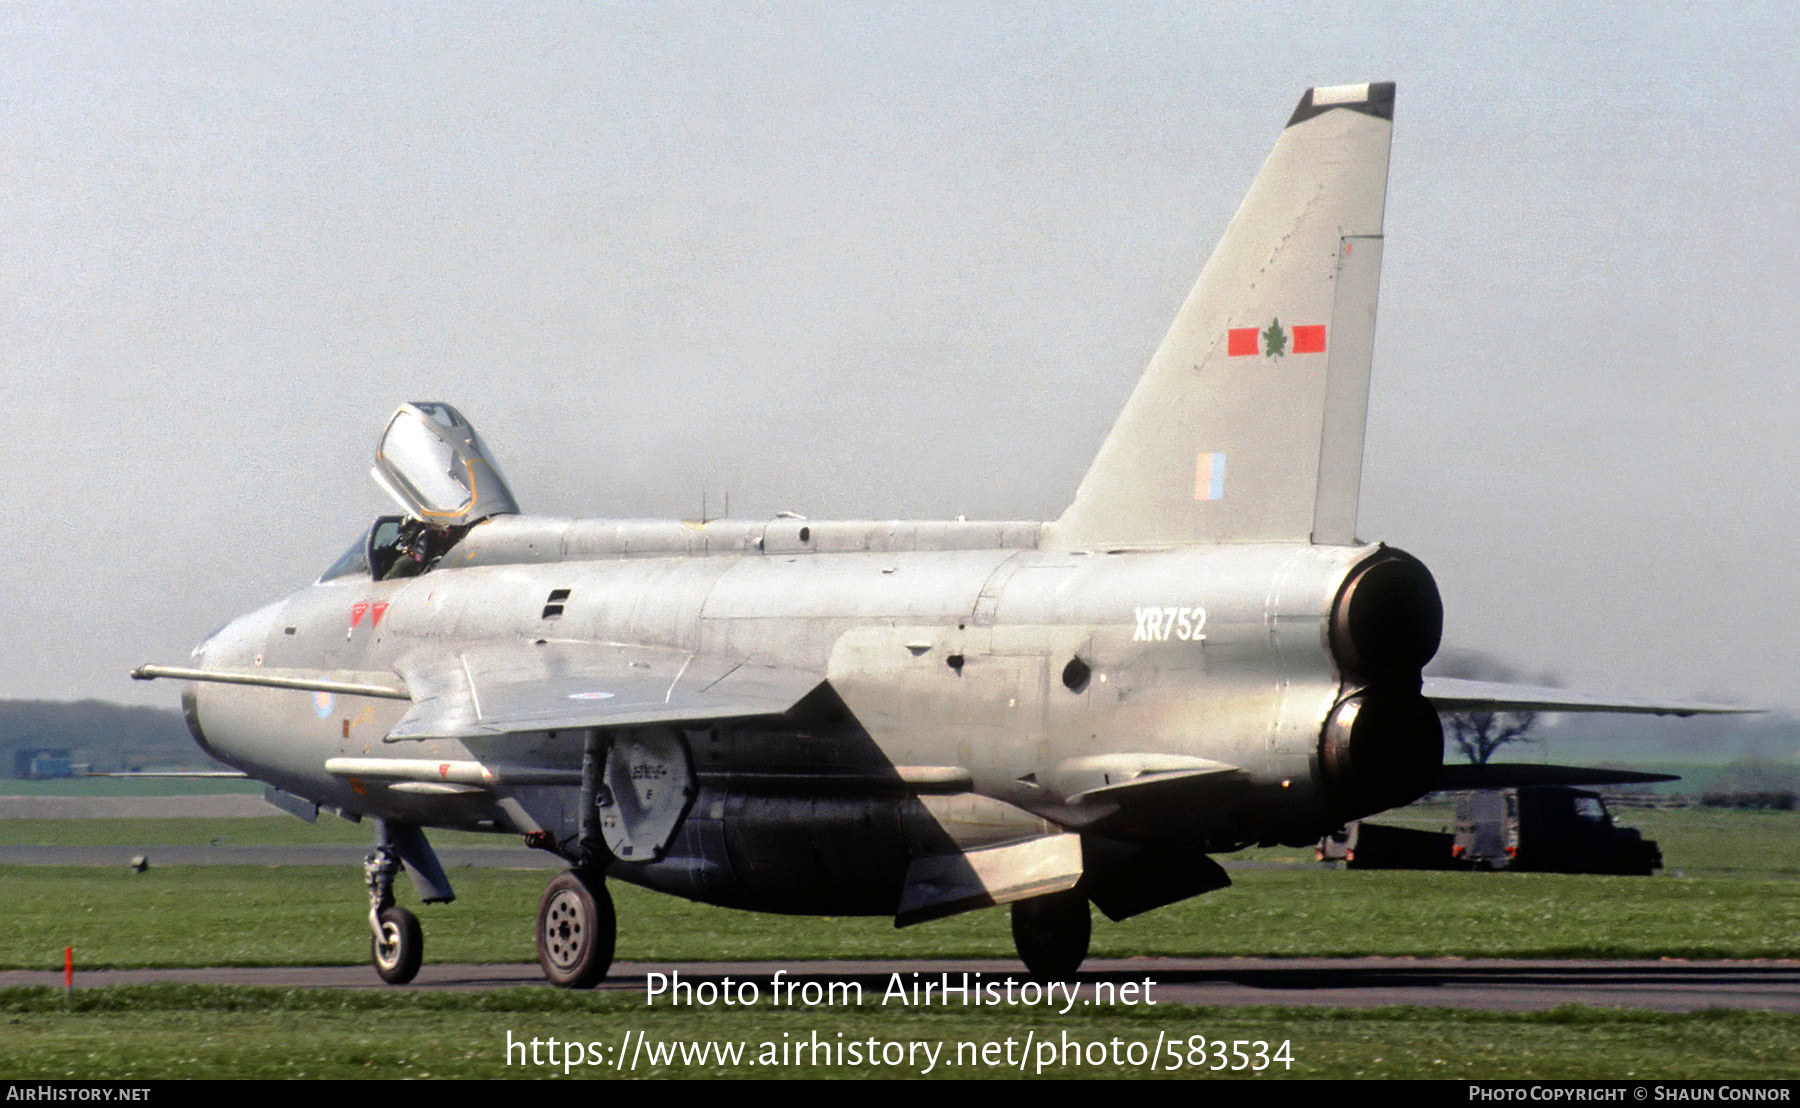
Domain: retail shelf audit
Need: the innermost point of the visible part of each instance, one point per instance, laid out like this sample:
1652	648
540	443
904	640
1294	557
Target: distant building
40	762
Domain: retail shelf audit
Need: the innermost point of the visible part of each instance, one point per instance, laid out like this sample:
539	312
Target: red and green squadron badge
1275	341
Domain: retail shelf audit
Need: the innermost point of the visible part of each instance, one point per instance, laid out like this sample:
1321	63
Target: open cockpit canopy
435	466
433	463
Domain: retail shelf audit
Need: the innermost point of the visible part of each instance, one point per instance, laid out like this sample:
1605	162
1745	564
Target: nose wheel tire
576	931
398	946
1051	934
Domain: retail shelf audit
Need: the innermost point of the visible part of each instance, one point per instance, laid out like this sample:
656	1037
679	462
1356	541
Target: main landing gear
576	930
1051	933
624	814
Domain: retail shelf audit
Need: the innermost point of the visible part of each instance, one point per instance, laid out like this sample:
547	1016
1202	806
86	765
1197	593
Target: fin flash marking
1209	477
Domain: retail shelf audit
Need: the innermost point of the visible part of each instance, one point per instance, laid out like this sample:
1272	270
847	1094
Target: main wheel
399	947
576	930
1051	934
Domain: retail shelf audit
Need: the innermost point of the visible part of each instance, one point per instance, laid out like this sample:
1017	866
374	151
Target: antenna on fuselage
704	518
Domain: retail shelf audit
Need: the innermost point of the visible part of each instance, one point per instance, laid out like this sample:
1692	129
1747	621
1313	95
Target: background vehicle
1544	829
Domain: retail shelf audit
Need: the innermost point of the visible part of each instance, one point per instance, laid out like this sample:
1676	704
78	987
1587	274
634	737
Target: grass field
1695	841
1737	898
213	1032
304	915
133	835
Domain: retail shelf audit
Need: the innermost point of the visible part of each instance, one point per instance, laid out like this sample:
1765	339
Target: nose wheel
396	941
1051	934
398	945
576	930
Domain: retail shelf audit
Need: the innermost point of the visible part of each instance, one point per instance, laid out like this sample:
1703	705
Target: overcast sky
874	261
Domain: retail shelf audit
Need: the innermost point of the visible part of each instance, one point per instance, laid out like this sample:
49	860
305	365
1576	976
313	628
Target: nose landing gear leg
397	943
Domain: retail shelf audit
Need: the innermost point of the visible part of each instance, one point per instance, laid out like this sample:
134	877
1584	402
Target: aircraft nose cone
190	713
236	646
239	644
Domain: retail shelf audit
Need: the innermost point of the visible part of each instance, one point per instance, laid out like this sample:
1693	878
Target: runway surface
1347	983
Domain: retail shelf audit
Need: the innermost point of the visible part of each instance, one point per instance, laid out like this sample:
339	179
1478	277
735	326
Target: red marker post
69	970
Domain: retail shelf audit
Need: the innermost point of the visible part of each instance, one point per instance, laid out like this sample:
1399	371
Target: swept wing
1450	694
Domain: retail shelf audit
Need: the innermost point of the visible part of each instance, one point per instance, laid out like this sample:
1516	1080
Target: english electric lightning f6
899	718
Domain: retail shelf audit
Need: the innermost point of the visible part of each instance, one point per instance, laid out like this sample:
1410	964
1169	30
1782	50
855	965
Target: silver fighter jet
901	719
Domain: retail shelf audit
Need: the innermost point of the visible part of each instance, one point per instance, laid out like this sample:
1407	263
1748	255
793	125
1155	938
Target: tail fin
1248	424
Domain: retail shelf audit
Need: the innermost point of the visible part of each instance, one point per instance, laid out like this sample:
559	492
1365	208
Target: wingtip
1374	98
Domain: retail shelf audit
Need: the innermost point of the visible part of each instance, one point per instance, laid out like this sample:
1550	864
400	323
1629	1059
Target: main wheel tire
399	948
576	930
1051	934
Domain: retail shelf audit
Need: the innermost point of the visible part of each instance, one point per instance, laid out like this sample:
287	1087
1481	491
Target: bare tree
1478	734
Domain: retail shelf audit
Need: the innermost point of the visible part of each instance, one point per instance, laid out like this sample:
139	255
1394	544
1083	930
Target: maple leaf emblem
1274	340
